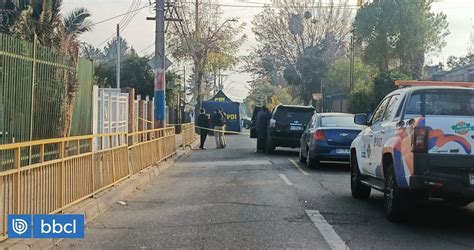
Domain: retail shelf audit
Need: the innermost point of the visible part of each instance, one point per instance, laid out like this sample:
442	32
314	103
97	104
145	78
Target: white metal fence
110	113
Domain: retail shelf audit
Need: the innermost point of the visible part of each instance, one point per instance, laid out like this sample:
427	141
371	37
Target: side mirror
361	119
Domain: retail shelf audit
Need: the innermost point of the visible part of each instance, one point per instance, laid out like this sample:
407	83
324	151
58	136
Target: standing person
263	118
218	122
191	116
203	124
224	125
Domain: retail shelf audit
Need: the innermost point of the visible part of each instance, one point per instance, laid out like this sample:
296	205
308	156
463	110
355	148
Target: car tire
302	158
311	162
359	191
397	202
270	147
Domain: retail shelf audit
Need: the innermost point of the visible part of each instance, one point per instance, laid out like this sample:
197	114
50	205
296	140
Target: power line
131	7
147	48
135	11
123	14
127	22
256	5
268	5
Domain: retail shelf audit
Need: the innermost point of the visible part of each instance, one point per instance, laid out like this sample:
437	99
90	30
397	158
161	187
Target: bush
365	97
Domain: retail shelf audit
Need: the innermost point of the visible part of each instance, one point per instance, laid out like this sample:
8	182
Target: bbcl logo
46	226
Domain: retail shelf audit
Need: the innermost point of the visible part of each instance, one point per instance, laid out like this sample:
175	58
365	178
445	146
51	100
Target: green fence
82	115
33	90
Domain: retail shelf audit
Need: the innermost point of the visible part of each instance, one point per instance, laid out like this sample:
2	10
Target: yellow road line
297	165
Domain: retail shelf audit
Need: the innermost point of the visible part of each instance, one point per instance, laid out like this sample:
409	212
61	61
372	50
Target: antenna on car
405	83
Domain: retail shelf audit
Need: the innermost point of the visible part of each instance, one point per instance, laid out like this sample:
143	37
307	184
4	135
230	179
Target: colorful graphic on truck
462	128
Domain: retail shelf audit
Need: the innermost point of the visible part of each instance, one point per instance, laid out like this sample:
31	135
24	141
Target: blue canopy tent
231	108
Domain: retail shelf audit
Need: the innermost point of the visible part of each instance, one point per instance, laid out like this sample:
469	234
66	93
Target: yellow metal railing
150	147
47	176
188	133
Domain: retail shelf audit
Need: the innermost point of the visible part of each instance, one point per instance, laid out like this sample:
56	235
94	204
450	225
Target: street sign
152	63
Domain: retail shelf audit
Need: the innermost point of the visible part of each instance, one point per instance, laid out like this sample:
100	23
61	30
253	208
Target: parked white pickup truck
417	145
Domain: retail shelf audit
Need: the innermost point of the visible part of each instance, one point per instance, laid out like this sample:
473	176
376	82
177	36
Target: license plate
471	178
343	151
296	128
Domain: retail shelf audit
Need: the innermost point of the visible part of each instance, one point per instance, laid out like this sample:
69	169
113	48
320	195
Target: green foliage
110	49
44	18
365	96
398	34
338	77
213	47
455	62
264	93
308	72
299	41
136	73
360	99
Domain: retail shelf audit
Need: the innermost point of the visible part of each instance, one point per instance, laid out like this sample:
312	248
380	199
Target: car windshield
441	102
289	115
338	121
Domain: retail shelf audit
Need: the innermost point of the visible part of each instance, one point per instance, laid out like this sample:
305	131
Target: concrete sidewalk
104	201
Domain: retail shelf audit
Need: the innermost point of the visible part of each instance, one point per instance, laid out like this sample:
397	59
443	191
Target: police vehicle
417	145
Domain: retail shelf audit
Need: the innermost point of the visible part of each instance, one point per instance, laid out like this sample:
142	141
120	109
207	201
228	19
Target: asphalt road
236	198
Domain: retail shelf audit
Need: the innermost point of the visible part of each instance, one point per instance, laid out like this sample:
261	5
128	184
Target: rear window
288	115
338	121
441	102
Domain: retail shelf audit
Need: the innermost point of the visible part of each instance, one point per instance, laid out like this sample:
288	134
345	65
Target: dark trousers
203	134
261	144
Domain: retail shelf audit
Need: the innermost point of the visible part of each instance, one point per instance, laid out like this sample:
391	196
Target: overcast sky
140	33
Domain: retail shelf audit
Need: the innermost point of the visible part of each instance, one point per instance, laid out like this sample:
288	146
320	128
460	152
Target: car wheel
358	190
302	158
311	162
270	147
397	201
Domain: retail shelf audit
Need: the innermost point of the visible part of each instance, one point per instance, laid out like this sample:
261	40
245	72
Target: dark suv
287	125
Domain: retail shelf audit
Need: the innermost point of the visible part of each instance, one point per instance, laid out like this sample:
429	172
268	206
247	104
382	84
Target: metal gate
112	109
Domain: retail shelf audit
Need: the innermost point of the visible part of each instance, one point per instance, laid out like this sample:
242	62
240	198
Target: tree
52	28
138	74
455	62
212	36
264	93
366	95
110	49
300	41
396	34
217	63
92	53
337	80
43	19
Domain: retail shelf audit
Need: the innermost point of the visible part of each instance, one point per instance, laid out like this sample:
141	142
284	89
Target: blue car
327	139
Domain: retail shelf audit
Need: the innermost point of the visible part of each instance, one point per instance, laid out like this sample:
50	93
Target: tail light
420	140
272	123
319	135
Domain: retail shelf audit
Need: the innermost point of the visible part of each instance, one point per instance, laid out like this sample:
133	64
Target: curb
103	201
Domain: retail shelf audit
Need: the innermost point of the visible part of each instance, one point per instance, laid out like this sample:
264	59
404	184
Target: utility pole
184	87
118	56
196	62
160	81
322	97
352	64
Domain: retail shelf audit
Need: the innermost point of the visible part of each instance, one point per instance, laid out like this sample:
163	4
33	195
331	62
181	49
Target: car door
370	143
308	133
380	134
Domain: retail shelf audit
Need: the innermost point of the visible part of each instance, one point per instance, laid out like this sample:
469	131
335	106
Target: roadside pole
160	81
118	56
